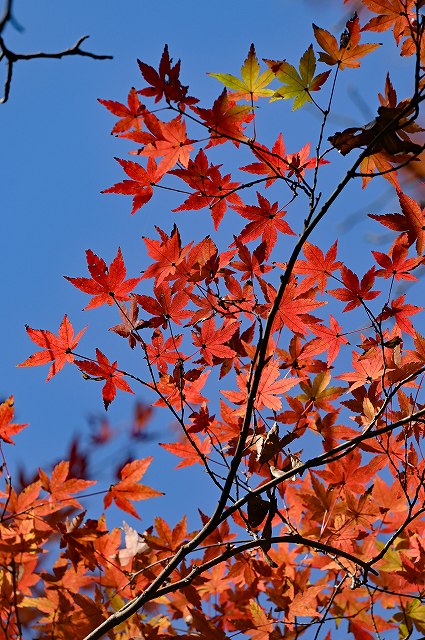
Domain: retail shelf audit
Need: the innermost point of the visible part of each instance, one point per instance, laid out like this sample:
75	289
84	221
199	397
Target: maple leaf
269	389
130	116
395	14
355	292
297	85
266	221
61	487
130	323
399	310
141	183
252	85
411	220
398	264
104	370
225	120
180	388
107	284
365	370
318	267
318	393
165	82
294	307
329	339
170	141
56	349
160	353
384	137
298	360
347	54
272	163
251	264
300	161
128	489
348	473
167	253
212	190
7	427
188	452
380	163
167	306
262	625
211	341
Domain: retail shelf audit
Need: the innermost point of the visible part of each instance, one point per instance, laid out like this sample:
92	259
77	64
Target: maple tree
308	424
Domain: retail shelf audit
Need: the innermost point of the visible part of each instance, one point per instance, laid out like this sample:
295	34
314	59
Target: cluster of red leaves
334	535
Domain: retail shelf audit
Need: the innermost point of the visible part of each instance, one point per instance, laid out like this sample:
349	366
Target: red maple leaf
294	308
167	306
266	221
410	220
329	339
169	140
365	369
182	387
141	184
106	285
7	427
168	254
348	474
318	267
225	120
56	349
212	190
104	370
165	82
300	161
269	389
251	264
187	452
399	310
397	265
272	164
211	341
354	291
130	116
128	488
160	353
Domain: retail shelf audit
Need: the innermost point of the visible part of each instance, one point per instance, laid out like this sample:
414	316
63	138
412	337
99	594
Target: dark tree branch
10	57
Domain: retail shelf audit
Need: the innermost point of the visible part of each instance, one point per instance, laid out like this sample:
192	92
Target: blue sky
57	155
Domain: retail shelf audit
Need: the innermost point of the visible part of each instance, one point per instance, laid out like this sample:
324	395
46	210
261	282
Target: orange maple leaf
7	428
349	51
128	488
57	349
61	487
107	284
187	452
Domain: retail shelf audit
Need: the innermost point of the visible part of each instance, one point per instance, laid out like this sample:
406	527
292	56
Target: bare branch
11	57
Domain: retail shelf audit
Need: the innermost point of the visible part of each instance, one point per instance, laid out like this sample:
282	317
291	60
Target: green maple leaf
252	85
297	85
